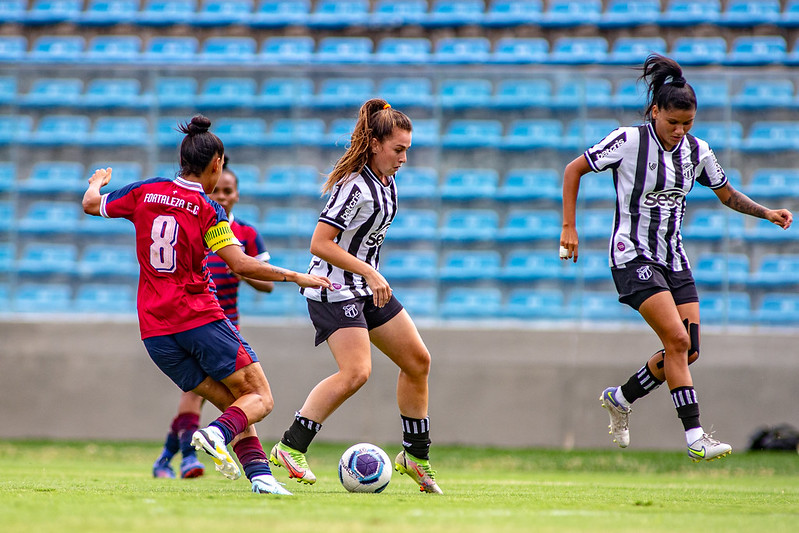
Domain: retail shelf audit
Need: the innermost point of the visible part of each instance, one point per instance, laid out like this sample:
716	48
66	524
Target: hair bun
199	124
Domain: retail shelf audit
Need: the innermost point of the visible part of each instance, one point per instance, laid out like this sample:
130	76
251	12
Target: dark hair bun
199	124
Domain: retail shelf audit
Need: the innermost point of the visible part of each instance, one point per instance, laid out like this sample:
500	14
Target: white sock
620	398
694	434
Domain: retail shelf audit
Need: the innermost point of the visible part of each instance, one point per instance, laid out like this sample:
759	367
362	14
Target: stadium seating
57	49
627	13
725	307
469	225
417	183
42	298
565	13
414	225
175	92
535	304
574	94
293	259
712	93
789	17
46	259
286	181
43	217
472	133
592	267
280	50
241	131
54	177
713	224
343	92
522	93
123	173
114	49
759	94
523	265
394	13
634	50
530	225
773	183
699	50
579	50
13	11
108	260
420	302
776	270
15	128
715	269
7	256
719	135
513	12
118	132
407	92
171	50
293	132
60	130
410	265
109	12
462	50
340	132
467	265
469	303
227	50
53	11
104	93
600	306
469	184
750	12
690	12
13	48
288	222
518	51
530	184
465	93
402	50
334	50
53	92
771	136
452	13
7	220
167	12
778	309
247	212
595	223
279	13
332	14
227	92
8	176
530	134
223	12
757	51
282	93
764	231
99	298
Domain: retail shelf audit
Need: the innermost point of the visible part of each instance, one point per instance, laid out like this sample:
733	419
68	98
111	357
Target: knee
419	365
261	407
679	344
357	377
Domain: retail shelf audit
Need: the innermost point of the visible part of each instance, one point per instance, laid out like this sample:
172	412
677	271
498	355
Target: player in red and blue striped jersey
187	420
182	325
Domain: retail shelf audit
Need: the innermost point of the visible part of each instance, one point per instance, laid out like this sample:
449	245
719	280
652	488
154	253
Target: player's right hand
101	174
381	290
312	281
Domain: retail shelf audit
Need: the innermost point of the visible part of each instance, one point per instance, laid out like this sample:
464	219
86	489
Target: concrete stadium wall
499	387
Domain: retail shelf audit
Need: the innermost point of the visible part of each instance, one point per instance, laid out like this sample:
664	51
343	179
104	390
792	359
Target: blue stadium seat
109	12
287	222
758	94
712	93
60	130
528	134
520	51
564	13
773	183
750	13
223	13
284	181
167	12
103	299
407	92
717	269
166	170
280	13
766	232
465	93
343	92
410	265
332	14
597	188
627	13
58	49
789	17
522	93
470	265
13	48
768	136
114	49
592	266
8	176
535	303
403	50
281	93
52	177
595	223
699	50
521	185
8	252
7	217
470	225
579	50
114	92
241	131
13	11
281	302
43	298
776	270
720	135
397	13
757	51
175	92
123	173
296	259
576	93
249	213
53	11
15	128
630	93
340	132
42	258
414	225
600	306
425	132
119	131
634	50
513	13
779	308
454	13
295	132
344	50
462	50
249	182
167	133
713	225
530	225
282	50
108	260
53	92
417	183
690	13
226	50
469	303
720	307
477	133
530	265
227	92
581	134
419	301
171	50
50	217
469	184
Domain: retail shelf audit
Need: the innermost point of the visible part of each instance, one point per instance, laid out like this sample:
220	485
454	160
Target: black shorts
328	317
640	278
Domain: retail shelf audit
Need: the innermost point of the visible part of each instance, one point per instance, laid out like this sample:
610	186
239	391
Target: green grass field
102	487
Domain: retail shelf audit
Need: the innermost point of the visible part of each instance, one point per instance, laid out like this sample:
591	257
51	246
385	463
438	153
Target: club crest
652	165
644	272
350	310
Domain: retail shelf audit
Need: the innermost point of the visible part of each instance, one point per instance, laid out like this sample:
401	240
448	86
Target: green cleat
419	470
293	461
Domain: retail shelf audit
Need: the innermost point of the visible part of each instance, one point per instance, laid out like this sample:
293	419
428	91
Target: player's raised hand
103	175
781	217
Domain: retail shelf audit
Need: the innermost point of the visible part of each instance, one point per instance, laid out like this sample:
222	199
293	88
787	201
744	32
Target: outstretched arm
743	204
249	267
92	196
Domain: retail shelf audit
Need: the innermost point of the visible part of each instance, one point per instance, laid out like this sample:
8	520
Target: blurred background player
654	166
183	327
361	309
187	421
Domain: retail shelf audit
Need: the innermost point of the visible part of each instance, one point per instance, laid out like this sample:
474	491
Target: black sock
416	436
301	433
640	384
687	407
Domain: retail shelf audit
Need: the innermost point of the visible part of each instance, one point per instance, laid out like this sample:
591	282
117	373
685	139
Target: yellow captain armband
220	236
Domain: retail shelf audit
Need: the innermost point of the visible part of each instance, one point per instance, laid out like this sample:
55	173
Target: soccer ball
364	468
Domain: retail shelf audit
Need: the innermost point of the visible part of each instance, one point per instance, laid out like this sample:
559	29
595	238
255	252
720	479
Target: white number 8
165	236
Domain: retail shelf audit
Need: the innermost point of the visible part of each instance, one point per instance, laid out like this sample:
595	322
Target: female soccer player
360	309
187	420
182	325
654	166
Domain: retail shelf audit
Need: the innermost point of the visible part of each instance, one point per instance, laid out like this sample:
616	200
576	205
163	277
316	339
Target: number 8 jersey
176	224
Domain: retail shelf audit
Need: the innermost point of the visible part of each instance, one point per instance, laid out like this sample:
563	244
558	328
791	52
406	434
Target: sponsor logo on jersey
349	208
620	246
665	198
644	272
350	310
617	143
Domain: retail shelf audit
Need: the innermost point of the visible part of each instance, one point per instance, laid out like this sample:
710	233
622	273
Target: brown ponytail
666	87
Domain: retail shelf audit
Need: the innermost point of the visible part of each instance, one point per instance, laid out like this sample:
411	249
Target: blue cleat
162	469
191	467
267	484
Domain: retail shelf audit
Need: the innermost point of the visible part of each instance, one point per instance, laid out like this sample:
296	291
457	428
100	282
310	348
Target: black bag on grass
782	437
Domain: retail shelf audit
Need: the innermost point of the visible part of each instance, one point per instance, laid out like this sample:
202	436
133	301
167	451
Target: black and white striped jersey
651	184
362	208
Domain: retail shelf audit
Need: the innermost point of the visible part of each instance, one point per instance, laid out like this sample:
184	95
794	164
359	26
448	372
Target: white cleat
707	449
267	484
619	417
212	442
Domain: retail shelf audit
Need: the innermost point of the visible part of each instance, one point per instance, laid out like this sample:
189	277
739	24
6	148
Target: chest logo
644	272
653	165
688	171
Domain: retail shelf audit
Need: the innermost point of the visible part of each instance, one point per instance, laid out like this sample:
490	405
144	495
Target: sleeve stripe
103	200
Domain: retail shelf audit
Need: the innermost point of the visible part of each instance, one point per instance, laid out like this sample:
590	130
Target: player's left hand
781	217
101	174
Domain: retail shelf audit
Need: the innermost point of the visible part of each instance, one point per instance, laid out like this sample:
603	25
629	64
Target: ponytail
666	86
